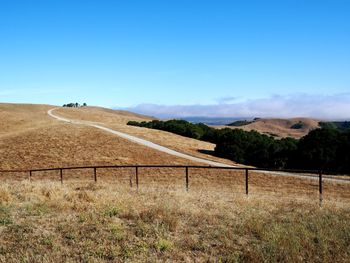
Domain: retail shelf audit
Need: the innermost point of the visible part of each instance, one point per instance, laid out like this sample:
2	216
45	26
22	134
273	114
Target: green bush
298	125
240	123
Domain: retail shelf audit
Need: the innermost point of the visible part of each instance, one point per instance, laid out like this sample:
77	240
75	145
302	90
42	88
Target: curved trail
141	141
178	154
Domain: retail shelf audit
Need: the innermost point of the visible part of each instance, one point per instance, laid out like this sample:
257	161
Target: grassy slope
29	138
118	120
46	222
18	118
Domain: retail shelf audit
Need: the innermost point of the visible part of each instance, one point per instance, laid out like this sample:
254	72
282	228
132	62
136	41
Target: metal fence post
320	187
246	181
61	174
187	178
95	174
30	176
137	177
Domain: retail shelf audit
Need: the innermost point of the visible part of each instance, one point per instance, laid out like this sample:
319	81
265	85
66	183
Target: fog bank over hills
325	107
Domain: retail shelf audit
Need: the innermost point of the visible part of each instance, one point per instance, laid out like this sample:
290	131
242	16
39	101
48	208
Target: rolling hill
30	138
295	127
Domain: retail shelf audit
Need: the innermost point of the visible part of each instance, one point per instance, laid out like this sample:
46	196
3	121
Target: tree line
326	149
340	125
74	105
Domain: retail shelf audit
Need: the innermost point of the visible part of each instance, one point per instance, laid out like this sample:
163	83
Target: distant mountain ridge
295	127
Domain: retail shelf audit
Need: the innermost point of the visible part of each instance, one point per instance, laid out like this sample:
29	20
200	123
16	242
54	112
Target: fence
186	168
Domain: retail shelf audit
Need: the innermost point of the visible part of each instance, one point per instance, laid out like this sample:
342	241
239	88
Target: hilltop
295	127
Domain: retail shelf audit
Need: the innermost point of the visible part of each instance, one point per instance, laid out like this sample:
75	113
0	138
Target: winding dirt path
140	141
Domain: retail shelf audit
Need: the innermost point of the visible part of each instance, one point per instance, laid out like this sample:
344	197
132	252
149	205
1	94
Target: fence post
187	178
246	181
137	177
95	174
30	175
320	187
130	180
61	174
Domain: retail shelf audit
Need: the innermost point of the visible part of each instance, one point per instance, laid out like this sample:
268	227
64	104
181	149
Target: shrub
240	123
298	125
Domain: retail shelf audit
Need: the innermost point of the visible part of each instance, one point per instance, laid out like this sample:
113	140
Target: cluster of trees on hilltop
298	125
240	123
74	105
326	149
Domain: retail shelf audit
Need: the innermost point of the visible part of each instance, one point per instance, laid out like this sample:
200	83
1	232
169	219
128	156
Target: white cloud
335	106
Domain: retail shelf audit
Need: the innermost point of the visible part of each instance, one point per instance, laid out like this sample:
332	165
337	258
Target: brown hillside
117	120
281	127
29	138
17	118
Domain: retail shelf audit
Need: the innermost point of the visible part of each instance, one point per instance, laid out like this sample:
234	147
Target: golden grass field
32	139
109	221
103	222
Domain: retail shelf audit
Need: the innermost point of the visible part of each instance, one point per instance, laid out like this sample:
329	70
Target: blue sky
177	53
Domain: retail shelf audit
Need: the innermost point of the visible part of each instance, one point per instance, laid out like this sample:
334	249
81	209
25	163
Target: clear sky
175	52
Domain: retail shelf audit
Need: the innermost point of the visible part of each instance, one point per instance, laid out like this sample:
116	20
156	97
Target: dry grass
280	127
88	222
31	139
260	184
64	145
117	120
16	119
44	221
